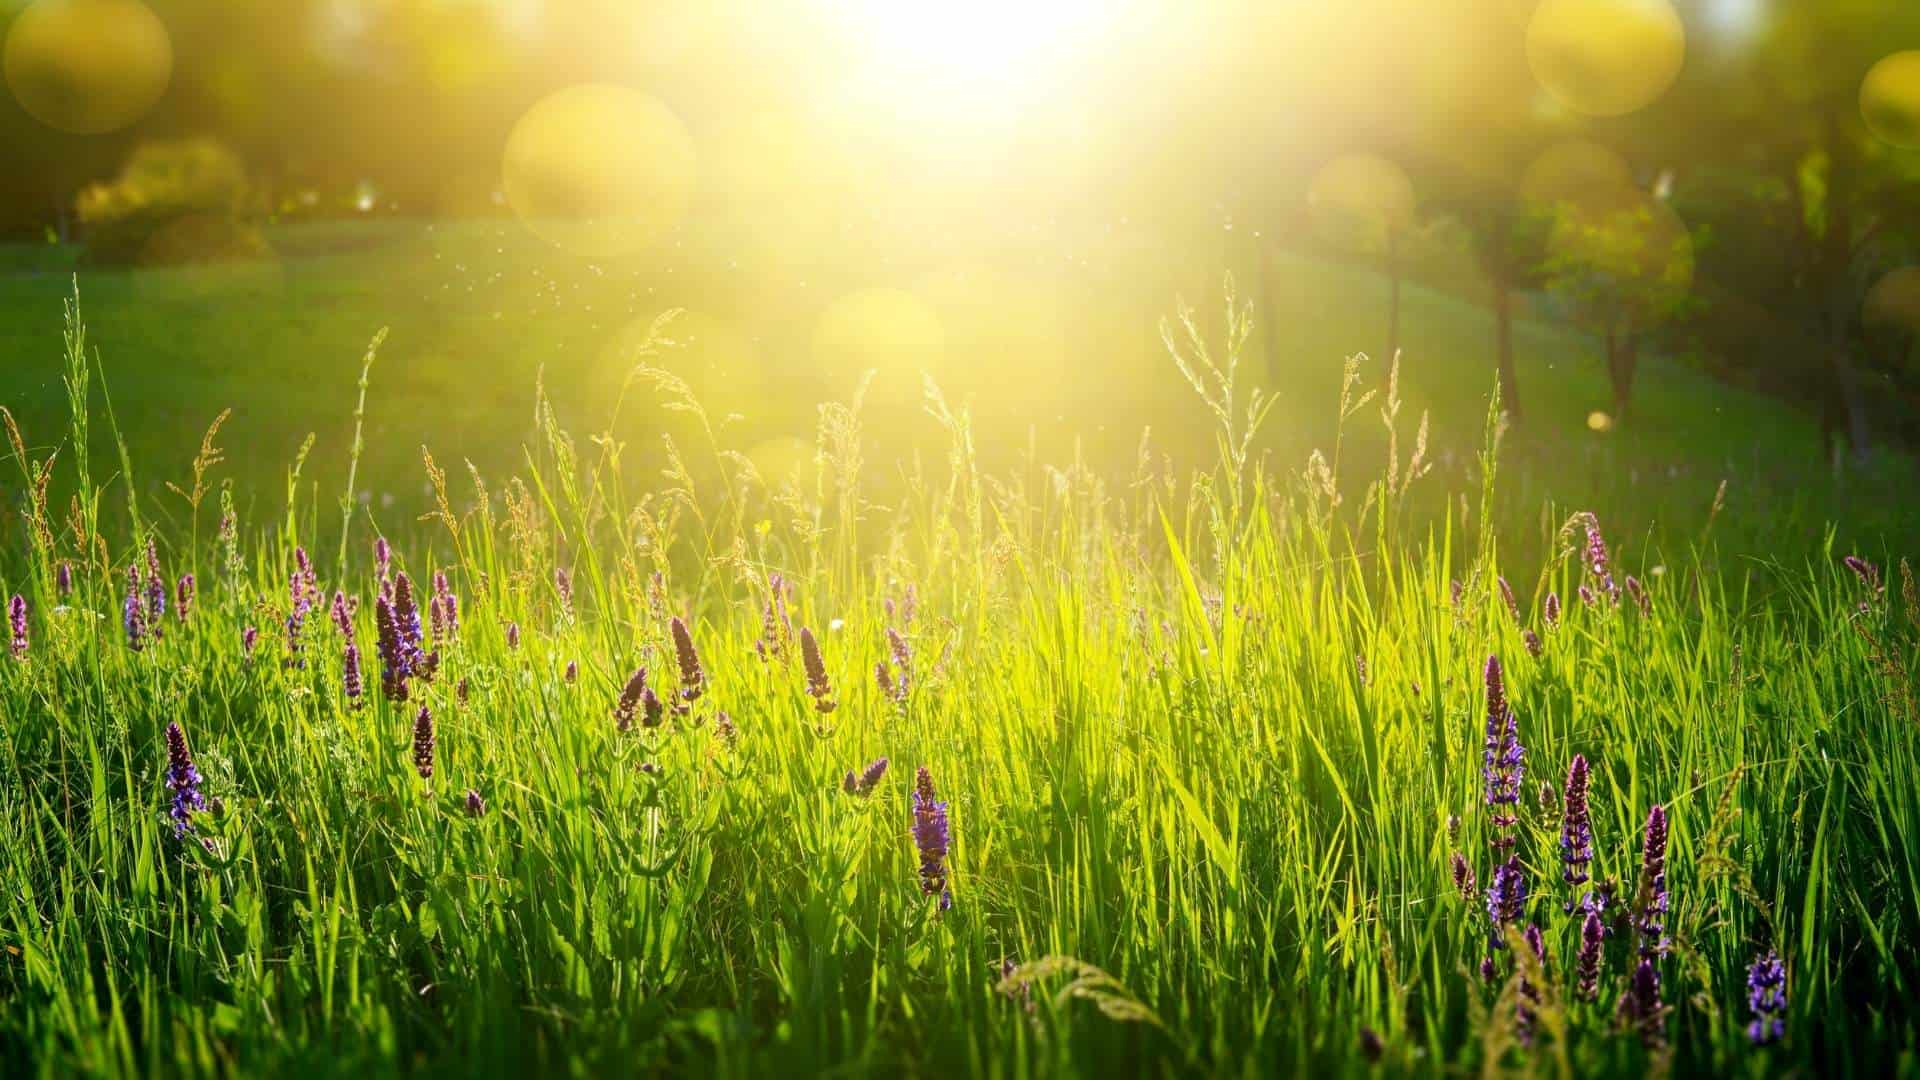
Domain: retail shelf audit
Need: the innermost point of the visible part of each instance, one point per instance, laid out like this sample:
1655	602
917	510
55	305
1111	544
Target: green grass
1059	357
1202	733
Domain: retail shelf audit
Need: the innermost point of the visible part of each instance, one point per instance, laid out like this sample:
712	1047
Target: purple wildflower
693	678
1640	1007
342	618
132	614
1506	897
444	610
630	699
1534	646
1506	594
17	621
1767	999
513	635
249	636
1598	563
1586	596
1650	899
351	681
296	622
1551	609
932	836
563	587
572	672
382	557
866	780
476	806
1463	882
423	743
395	659
1868	573
819	687
183	780
183	597
1576	828
1641	598
156	589
1529	999
1593	937
63	579
1504	762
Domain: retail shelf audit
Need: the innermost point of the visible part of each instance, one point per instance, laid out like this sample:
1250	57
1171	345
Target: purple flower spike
156	589
476	806
630	699
1641	598
1513	605
1504	762
932	836
1598	563
17	622
1641	1008
1576	828
183	781
869	778
819	687
1506	897
1767	999
693	677
1529	1000
1463	877
1650	900
1552	610
351	681
423	743
183	597
1593	938
132	614
63	579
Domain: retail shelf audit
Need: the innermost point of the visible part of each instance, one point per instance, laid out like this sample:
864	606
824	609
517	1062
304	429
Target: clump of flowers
1504	762
866	780
17	623
1767	999
819	687
183	782
932	836
637	699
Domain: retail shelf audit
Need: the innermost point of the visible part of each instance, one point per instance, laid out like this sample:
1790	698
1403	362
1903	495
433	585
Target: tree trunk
1503	348
1846	383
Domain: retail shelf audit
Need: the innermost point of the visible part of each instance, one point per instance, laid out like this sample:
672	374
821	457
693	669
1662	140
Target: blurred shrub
178	201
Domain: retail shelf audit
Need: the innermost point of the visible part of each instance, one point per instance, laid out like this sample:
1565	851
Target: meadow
1330	734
